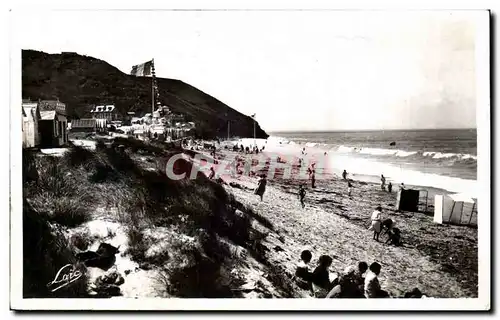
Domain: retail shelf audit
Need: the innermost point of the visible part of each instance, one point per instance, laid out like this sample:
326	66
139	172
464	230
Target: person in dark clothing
212	173
302	195
344	175
372	285
349	188
387	224
389	187
321	275
394	237
312	176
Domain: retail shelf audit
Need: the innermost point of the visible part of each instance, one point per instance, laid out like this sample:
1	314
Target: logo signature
64	277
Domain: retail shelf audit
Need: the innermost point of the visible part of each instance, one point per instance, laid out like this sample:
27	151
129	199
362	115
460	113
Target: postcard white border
483	125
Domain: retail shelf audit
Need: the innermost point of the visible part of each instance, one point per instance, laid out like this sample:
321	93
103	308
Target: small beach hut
408	200
459	209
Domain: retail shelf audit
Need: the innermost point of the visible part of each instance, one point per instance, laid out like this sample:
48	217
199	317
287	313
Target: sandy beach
440	260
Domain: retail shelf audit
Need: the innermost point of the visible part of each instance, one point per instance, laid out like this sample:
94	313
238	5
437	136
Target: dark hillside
81	81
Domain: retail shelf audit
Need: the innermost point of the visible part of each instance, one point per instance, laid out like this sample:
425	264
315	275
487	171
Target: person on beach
376	223
387	225
349	188
302	195
321	277
402	186
394	238
389	187
212	173
372	286
344	175
261	187
303	276
382	180
312	177
351	282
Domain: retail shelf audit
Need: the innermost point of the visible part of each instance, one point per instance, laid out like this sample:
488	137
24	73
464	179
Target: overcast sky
312	70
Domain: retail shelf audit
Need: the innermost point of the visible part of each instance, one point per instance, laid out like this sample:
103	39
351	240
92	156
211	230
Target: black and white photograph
237	159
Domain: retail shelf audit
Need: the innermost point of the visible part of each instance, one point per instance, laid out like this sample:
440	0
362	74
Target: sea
445	159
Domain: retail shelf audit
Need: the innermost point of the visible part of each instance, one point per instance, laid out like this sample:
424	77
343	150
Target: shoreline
336	162
333	223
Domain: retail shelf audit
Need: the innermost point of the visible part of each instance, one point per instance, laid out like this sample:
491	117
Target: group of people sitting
352	283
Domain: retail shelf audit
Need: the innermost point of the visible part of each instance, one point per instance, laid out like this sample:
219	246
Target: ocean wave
406	153
440	155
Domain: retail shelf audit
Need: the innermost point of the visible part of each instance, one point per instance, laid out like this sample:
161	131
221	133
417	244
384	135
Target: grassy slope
81	81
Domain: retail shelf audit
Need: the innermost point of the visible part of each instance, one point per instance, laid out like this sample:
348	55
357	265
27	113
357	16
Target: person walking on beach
382	180
212	173
402	186
261	187
344	175
349	188
312	175
376	222
302	195
389	187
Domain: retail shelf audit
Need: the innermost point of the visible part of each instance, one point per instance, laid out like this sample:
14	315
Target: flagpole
254	142
152	89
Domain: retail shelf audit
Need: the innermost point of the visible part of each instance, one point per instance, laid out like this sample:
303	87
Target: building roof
50	105
106	108
47	115
83	123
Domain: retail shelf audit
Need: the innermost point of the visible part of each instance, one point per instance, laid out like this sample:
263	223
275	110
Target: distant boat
392	143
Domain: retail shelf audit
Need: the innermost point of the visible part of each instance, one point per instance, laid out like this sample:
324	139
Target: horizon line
366	130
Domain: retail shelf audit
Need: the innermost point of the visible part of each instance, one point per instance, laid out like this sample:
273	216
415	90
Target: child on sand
351	282
344	175
212	173
261	187
394	237
302	195
372	285
376	224
389	187
302	273
382	180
